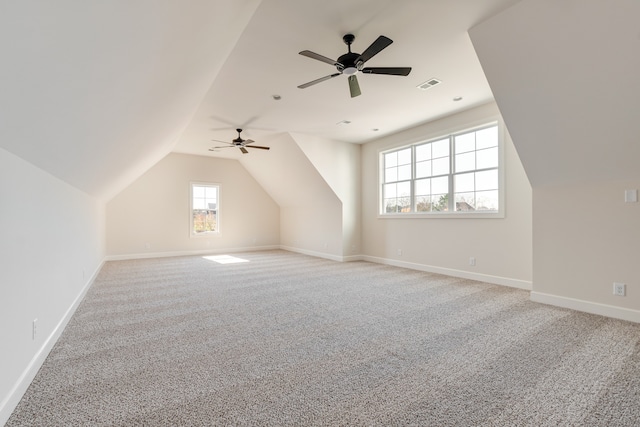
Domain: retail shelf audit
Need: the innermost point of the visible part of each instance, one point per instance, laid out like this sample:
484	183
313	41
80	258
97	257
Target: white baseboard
9	404
188	253
497	280
587	306
312	253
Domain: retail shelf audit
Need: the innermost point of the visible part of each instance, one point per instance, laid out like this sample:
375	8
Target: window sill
444	215
205	234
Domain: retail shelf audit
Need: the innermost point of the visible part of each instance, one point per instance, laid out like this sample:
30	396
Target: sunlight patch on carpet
225	259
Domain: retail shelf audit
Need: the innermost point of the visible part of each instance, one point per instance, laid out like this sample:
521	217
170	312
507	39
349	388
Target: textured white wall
577	139
310	210
585	238
151	216
339	165
502	246
51	245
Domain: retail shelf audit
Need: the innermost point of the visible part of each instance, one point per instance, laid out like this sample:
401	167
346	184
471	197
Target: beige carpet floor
291	340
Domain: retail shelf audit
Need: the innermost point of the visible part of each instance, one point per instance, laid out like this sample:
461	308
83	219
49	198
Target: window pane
210	193
423	152
390	205
440	166
465	201
487	200
465	162
465	143
390	191
404	204
404	189
487	158
487	180
423	169
391	159
486	138
404	172
423	187
440	202
440	148
199	204
464	183
198	191
404	156
440	185
423	204
391	175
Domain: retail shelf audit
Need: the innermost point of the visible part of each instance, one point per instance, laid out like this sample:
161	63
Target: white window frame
500	213
192	233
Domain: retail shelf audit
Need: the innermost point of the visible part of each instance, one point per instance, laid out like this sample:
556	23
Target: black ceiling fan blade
321	79
374	49
244	150
318	57
354	87
394	71
258	146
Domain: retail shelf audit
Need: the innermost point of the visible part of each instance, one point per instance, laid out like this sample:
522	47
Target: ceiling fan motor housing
347	62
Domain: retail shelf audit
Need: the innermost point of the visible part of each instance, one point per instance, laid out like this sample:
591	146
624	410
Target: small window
456	173
205	208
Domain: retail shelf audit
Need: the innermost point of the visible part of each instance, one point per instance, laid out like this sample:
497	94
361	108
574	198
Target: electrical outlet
619	289
34	329
399	252
472	261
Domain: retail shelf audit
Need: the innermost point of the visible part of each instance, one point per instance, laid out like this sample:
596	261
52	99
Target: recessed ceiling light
457	98
276	97
343	122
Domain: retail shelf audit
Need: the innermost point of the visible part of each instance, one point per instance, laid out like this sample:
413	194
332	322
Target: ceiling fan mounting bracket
348	39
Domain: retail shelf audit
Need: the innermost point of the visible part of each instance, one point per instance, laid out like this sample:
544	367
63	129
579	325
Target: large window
452	174
205	207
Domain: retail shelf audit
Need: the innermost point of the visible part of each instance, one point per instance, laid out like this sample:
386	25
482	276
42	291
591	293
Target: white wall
339	164
151	216
585	238
502	246
577	136
51	246
310	211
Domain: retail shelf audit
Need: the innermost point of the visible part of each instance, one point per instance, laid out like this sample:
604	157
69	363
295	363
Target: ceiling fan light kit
352	63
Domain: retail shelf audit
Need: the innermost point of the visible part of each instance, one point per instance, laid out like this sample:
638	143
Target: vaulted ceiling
96	92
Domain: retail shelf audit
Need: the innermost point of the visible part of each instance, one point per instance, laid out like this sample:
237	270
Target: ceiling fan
240	143
351	63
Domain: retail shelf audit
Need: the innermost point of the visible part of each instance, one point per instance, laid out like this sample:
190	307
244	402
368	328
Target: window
205	209
457	173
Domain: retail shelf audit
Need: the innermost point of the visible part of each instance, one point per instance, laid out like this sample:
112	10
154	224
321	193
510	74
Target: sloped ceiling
565	77
97	92
429	36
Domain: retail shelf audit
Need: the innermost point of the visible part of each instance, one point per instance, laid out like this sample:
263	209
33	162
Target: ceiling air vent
428	84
